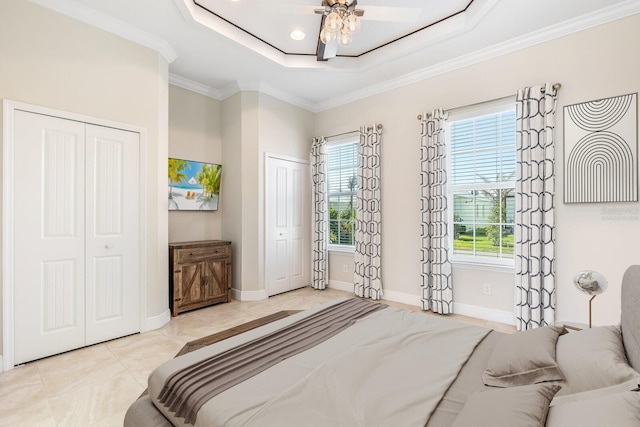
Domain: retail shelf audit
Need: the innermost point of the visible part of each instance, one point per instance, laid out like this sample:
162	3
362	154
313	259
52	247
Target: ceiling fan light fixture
333	21
327	36
352	23
341	21
345	37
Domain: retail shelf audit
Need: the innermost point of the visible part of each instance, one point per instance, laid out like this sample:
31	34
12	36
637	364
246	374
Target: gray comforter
375	373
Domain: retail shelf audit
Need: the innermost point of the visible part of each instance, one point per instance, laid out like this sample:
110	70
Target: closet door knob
107	246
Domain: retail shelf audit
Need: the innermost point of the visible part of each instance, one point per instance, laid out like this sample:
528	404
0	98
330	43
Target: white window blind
342	170
482	183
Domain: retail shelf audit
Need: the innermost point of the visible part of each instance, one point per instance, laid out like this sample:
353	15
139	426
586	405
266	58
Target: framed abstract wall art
193	186
601	150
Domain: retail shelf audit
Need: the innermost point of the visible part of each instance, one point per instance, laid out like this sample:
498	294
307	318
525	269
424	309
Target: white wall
54	61
596	63
195	133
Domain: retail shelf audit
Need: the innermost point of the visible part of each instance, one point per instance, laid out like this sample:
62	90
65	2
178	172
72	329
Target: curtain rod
342	134
556	86
378	127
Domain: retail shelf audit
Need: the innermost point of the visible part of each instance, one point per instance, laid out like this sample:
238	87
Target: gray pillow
596	393
525	406
527	357
619	410
593	358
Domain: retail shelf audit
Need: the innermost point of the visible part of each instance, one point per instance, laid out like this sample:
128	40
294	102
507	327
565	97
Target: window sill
342	249
482	266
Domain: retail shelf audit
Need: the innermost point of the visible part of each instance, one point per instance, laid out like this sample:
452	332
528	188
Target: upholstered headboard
630	320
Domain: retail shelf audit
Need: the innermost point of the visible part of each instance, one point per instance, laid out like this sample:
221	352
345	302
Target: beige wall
232	181
195	133
285	130
596	63
254	125
240	156
54	61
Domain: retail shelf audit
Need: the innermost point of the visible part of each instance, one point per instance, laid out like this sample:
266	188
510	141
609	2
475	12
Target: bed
353	362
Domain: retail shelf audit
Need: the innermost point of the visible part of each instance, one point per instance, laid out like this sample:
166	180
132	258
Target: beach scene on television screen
193	186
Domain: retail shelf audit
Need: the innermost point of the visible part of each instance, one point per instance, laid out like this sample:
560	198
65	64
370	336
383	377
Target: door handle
108	246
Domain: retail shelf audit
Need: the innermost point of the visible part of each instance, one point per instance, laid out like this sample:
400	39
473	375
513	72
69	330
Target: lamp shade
590	282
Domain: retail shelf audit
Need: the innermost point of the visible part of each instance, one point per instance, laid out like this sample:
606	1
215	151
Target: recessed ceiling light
297	35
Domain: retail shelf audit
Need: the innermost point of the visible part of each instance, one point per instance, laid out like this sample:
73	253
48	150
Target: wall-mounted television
193	186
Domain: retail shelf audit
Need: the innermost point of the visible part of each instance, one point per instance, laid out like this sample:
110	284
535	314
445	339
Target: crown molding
237	86
288	98
246	86
194	86
600	17
90	16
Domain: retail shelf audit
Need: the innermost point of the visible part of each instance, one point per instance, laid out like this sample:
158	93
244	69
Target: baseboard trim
489	314
492	315
157	322
249	295
402	298
341	286
394	296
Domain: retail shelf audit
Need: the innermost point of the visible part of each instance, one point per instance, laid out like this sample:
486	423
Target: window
482	183
342	170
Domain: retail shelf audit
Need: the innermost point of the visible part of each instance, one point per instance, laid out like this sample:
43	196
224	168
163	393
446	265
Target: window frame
342	139
483	109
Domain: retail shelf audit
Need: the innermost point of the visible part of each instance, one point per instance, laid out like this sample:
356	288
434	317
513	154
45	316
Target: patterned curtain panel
368	277
437	290
319	260
535	206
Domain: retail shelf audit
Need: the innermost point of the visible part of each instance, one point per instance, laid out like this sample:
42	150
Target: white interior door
76	235
112	233
287	225
49	241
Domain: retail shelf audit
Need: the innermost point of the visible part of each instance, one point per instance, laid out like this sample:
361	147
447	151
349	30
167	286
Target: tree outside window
342	192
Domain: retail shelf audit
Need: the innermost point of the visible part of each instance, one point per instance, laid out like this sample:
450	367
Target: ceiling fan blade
326	51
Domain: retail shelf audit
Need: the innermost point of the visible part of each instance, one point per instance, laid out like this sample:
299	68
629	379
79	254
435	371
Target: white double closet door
288	201
76	235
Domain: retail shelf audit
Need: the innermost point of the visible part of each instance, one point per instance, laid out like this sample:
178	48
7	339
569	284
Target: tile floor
94	386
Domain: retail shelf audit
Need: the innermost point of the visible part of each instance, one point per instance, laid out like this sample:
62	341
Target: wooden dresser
199	274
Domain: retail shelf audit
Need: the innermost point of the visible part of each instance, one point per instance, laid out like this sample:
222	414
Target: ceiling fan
348	15
340	20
